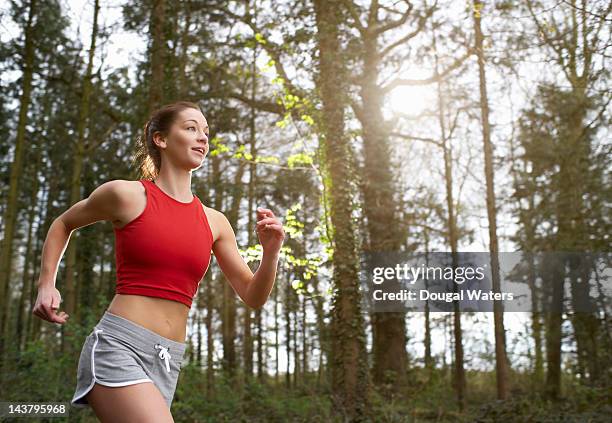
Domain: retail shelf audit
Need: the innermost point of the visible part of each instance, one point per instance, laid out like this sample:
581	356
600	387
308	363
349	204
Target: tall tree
158	55
501	360
229	299
545	134
10	212
29	277
388	329
525	200
82	148
447	133
572	34
348	367
248	339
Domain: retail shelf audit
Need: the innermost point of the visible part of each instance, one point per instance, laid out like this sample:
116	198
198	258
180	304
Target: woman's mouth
199	150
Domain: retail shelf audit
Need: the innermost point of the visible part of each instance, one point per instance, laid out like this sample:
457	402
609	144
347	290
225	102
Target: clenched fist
47	303
269	230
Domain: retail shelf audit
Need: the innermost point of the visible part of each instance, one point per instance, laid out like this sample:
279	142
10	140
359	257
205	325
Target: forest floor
428	397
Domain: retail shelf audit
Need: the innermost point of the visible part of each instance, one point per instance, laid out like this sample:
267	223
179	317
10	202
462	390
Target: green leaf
307	119
299	159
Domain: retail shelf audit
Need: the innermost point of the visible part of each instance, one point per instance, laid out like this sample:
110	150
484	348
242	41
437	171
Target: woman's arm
102	204
253	289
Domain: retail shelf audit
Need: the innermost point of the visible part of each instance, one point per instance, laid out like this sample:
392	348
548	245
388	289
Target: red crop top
165	251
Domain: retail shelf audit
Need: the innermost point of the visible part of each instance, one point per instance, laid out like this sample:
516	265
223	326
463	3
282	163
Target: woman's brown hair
148	155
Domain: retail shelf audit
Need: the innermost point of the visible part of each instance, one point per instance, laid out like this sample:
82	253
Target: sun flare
411	100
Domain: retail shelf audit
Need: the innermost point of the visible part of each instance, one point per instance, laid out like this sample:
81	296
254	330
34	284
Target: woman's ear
158	139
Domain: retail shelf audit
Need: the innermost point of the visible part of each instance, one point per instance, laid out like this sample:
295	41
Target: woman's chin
197	165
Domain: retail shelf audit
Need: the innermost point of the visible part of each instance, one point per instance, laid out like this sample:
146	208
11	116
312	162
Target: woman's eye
194	128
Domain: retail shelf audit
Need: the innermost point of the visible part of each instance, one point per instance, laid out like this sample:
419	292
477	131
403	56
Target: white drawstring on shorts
164	355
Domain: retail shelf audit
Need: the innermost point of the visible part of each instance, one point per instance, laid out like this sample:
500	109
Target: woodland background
365	126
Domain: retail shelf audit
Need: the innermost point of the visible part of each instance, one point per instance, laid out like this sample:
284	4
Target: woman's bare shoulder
105	202
130	186
214	220
125	190
211	211
130	200
121	184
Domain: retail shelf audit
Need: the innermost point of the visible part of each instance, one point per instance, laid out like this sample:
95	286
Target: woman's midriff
164	317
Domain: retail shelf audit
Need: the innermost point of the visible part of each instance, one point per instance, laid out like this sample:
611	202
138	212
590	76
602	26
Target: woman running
164	236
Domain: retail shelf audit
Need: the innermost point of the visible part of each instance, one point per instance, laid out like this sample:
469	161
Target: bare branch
420	26
413	138
270	47
430	228
94	145
599	115
358	110
372	13
543	30
454	125
596	35
350	5
603	18
390	10
468	169
394	24
266	106
435	78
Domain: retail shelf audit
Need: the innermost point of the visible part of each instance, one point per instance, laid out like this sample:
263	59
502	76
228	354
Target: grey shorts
119	352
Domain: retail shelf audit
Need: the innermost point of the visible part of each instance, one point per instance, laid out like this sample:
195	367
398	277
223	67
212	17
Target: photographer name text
424	295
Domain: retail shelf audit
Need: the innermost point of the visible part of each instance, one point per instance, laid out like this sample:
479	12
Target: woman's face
188	132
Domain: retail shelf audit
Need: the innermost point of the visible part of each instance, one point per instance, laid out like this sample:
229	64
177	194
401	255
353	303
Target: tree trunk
210	345
317	304
276	336
388	329
33	322
349	371
229	295
304	342
26	278
158	55
288	300
80	151
297	371
183	87
248	339
429	363
12	202
552	276
536	326
29	283
501	362
211	288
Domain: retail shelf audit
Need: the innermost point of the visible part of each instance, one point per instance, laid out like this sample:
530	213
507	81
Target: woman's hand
47	303
269	230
